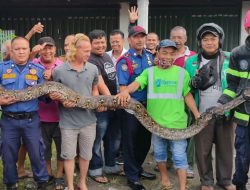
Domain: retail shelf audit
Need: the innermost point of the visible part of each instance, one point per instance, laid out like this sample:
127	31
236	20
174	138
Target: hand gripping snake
110	102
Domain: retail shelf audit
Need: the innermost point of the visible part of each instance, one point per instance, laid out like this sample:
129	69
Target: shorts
178	149
85	138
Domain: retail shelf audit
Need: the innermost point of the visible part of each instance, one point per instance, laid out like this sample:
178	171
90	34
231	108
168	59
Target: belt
19	115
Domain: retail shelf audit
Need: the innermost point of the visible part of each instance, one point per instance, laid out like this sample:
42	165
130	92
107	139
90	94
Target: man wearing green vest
207	70
238	79
167	92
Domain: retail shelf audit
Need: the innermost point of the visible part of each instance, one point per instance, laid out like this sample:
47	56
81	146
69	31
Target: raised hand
133	14
37	48
37	28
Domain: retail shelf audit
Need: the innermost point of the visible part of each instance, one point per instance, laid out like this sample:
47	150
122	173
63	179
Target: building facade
63	17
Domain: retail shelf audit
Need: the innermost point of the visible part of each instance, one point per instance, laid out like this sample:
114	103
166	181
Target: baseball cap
48	40
167	43
136	30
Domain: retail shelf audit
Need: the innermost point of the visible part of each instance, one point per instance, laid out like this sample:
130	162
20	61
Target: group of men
163	75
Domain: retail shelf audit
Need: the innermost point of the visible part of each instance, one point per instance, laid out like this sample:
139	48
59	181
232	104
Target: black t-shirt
106	69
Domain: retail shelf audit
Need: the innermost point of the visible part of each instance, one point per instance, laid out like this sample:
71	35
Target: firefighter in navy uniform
136	139
20	119
238	79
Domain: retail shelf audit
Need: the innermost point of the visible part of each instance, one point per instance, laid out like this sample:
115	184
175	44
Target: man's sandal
59	184
169	187
95	178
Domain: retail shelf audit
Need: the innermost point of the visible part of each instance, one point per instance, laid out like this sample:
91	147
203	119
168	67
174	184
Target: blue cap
167	43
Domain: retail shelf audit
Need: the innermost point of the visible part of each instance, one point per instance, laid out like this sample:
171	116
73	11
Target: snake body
93	102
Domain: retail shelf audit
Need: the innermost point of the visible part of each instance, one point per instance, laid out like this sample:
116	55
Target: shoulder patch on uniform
7	62
124	67
243	64
36	65
123	57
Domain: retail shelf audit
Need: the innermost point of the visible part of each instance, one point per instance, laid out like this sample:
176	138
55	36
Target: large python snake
110	102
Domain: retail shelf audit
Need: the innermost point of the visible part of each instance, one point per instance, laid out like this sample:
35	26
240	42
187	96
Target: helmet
210	28
247	20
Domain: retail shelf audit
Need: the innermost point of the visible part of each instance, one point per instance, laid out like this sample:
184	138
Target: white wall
124	21
143	13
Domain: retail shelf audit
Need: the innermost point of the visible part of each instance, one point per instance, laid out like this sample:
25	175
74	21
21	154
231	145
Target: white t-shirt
110	53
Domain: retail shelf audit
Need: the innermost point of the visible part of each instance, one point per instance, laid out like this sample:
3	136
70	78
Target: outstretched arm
37	28
123	97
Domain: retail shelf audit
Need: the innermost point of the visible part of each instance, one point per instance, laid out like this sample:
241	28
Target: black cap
48	40
209	31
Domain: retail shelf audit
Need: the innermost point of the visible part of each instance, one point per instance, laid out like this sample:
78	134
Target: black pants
242	160
136	144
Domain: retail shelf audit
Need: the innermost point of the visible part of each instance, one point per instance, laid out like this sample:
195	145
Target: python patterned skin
140	112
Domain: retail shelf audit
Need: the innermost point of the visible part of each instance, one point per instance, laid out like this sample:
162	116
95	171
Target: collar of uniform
133	52
12	62
69	67
8	62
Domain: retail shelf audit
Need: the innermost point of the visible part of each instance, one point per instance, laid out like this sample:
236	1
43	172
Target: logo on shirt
160	83
110	70
124	67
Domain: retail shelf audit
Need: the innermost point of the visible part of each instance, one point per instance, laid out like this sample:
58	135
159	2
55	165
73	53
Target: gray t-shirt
82	83
210	96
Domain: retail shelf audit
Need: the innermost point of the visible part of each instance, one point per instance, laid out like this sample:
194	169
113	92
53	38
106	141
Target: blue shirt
12	78
139	63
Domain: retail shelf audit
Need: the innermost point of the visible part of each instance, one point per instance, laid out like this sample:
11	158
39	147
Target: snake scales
110	102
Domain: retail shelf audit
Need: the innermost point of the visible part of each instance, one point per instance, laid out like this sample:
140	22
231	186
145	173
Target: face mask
165	64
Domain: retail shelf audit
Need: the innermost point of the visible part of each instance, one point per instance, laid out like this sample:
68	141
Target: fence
5	35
